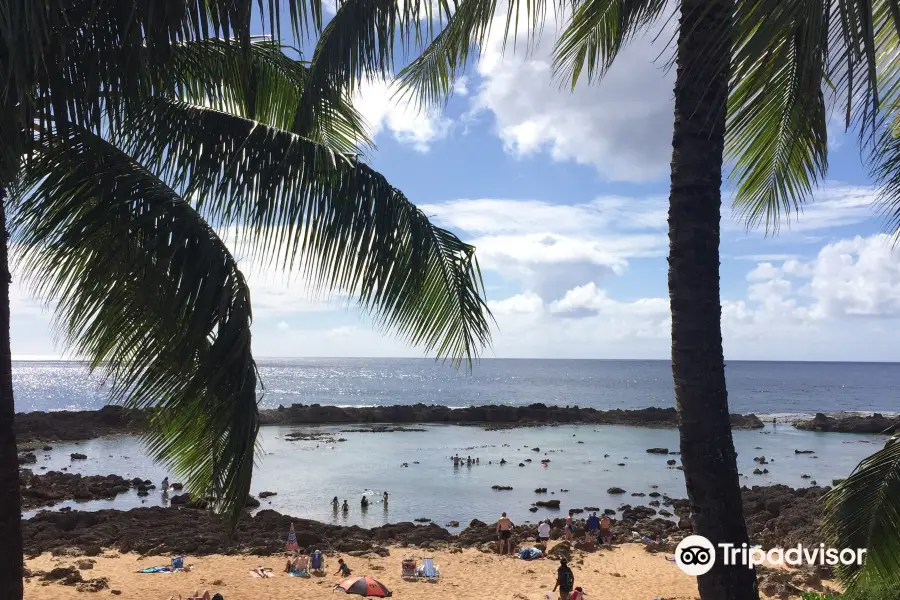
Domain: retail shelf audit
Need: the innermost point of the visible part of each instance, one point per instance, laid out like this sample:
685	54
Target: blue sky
564	195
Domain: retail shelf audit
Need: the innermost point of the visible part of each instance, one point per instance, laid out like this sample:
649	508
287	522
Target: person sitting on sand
345	507
605	534
565	580
343	569
504	531
591	527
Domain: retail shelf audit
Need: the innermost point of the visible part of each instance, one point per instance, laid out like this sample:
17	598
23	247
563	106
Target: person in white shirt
544	532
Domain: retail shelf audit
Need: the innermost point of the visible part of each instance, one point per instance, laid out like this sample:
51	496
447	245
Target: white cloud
385	112
552	248
623	127
833	205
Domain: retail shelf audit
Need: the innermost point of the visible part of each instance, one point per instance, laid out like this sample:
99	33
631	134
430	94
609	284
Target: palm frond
359	42
776	132
147	290
863	33
597	32
260	82
863	511
341	223
884	159
428	80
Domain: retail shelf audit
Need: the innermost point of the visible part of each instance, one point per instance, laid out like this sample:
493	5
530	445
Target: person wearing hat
565	580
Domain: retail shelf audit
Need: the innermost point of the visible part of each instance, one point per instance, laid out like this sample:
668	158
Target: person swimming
345	507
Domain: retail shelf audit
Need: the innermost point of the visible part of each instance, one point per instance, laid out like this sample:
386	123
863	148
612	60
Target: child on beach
343	569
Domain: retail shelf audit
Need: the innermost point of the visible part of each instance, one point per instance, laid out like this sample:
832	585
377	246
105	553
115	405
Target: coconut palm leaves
119	226
863	511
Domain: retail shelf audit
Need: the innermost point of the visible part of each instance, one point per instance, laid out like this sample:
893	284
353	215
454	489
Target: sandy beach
624	573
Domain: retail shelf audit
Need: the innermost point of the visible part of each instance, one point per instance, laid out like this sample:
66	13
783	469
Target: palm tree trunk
698	366
10	503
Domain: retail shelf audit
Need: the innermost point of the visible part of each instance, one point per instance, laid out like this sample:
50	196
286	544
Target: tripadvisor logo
696	555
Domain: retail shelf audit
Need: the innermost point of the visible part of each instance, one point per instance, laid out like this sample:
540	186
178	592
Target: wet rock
554	504
653	503
804	476
251	502
592	508
657	450
575	511
608	511
535	449
875	423
615	490
621	464
545	461
264	495
422	520
27	458
453	524
532	509
671	462
560	550
47	448
176	487
760	459
179	499
804	451
540	490
78	456
521	464
654	494
501	488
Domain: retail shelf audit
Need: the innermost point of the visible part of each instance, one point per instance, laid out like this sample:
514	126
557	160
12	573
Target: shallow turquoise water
306	475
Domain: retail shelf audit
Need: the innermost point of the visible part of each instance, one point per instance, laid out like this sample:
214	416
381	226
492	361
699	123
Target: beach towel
429	570
156	570
529	553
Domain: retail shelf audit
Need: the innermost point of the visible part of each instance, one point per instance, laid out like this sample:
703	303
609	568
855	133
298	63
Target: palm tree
130	138
749	87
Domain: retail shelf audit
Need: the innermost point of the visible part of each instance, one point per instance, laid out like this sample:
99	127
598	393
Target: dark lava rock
251	502
615	490
804	451
804	476
109	420
55	486
760	459
47	448
521	464
592	508
561	550
540	490
78	456
875	423
657	450
180	499
608	511
501	488
653	503
545	461
638	494
423	520
671	462
575	511
267	494
27	458
547	504
654	494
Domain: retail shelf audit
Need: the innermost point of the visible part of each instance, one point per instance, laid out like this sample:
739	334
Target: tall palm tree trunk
698	366
10	503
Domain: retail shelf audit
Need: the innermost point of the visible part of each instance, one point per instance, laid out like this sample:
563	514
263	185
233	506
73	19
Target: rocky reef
776	516
111	420
849	423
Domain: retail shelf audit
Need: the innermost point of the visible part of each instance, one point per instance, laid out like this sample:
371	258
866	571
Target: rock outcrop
875	423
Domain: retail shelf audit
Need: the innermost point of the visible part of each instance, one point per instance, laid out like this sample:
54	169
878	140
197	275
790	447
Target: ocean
307	474
763	388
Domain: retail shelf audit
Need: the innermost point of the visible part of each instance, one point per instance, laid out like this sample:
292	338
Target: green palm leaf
262	83
776	132
146	290
863	511
299	203
598	31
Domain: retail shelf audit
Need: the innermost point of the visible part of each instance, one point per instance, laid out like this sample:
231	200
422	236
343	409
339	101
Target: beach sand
626	572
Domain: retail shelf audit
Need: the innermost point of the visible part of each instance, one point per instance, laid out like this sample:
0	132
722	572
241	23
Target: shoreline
112	420
70	426
776	515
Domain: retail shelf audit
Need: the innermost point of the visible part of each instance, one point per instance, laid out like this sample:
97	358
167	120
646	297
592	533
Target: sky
564	195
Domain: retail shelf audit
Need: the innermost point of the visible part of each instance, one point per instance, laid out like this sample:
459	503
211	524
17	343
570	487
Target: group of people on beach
468	461
596	529
364	503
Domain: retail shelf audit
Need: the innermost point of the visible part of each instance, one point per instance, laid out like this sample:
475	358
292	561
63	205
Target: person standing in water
504	531
345	507
385	498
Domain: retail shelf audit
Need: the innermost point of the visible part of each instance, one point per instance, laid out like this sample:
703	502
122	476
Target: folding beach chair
317	562
300	566
429	570
178	562
409	569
